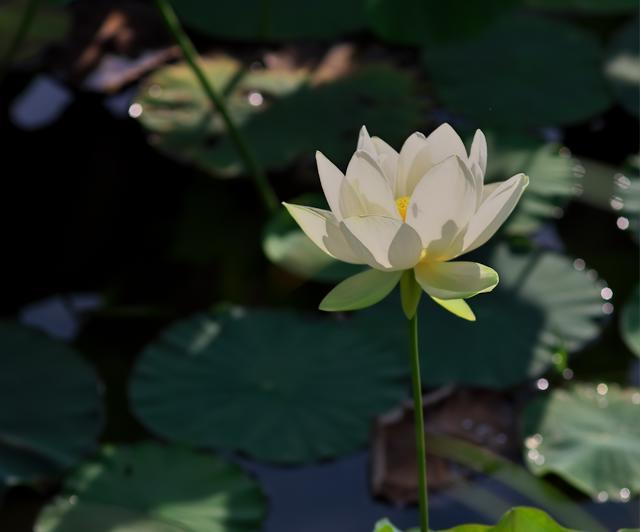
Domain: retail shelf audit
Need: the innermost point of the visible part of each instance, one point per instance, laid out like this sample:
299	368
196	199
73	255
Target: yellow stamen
402	204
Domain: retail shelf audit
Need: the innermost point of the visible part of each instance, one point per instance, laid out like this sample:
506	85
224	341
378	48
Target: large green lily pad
53	409
590	436
622	67
179	117
155	488
293	118
277	385
272	20
541	306
552	179
417	22
327	118
528	75
518	519
630	321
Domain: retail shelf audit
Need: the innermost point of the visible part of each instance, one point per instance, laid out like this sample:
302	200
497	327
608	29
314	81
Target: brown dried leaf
479	416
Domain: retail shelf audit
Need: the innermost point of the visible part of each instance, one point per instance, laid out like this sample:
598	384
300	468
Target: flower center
402	204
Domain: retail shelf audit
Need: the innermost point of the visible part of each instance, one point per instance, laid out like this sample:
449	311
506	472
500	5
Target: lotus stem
265	190
419	423
28	15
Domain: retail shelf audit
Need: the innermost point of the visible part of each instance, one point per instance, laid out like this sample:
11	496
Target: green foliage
272	20
594	7
623	66
522	72
384	525
417	22
316	118
151	487
278	385
178	115
552	180
49	25
614	188
294	118
360	291
598	182
589	436
630	321
56	411
519	519
546	302
514	476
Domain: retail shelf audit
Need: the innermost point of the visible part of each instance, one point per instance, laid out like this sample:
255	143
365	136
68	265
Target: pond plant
264	388
407	216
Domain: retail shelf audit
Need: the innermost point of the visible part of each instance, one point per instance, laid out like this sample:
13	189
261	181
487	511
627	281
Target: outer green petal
410	293
459	307
455	280
360	291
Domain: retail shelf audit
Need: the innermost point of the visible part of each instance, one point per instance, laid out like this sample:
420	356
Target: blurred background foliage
161	355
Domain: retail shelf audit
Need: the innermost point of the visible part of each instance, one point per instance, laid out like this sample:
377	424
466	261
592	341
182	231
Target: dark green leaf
293	118
55	416
49	25
519	519
522	72
316	118
417	22
552	178
541	305
178	115
516	477
272	20
590	436
623	66
594	7
151	487
278	385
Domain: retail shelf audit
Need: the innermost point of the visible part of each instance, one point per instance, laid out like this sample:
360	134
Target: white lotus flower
415	210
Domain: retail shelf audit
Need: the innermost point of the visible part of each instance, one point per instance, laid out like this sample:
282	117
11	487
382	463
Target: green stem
419	422
267	194
25	23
